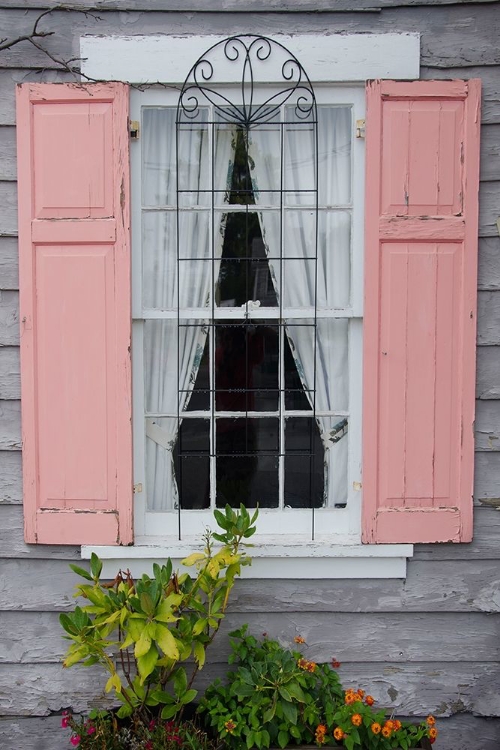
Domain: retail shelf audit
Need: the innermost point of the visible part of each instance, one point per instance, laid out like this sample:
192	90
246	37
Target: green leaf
200	626
75	655
199	654
95	565
283	738
124	711
164	611
289	712
348	742
295	732
113	682
147	603
269	714
169	711
296	692
68	624
143	645
80	572
180	681
167	642
285	694
193	559
244	691
188	696
250	739
147	663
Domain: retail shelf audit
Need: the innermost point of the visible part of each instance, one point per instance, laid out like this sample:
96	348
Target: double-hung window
247	302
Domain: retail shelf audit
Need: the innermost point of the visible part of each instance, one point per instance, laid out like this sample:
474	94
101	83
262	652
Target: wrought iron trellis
245	60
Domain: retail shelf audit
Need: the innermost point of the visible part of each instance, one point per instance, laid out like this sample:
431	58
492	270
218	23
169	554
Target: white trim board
309	560
326	58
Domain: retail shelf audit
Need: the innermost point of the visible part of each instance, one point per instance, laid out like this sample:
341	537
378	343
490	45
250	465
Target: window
263	230
420	256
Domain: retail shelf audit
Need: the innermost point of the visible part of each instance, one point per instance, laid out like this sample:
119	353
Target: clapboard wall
427	644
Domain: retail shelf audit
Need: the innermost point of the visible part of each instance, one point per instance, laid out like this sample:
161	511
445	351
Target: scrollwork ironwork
252	53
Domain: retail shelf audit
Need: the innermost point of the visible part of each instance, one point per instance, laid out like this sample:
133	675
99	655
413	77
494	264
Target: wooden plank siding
429	643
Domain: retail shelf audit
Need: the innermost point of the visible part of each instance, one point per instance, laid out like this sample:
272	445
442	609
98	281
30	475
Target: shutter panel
420	310
74	267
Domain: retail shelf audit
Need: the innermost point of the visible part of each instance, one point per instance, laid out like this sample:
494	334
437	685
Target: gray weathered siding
430	643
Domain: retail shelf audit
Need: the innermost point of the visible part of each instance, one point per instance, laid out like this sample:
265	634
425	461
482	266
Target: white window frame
346	59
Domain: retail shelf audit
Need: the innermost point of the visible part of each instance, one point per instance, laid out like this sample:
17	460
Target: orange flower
361	693
433	733
349	698
311	666
356	719
357	696
397	725
376	728
386	732
230	726
431	721
299	639
302	663
320	734
389	723
335	664
338	733
369	700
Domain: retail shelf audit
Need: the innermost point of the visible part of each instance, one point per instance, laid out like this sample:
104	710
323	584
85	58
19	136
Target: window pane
169	381
192	463
320	352
159	259
295	393
158	142
299	160
193	163
244	273
304	464
334	259
158	156
247	462
246	367
335	130
177	463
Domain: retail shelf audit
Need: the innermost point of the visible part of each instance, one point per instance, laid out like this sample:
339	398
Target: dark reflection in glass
304	459
241	182
246	366
244	269
192	463
247	462
295	396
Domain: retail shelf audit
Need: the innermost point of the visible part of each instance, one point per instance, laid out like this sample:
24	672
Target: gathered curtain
177	273
319	348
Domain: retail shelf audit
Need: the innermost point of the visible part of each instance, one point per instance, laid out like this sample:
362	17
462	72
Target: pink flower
75	739
152	725
148	745
91	729
64	721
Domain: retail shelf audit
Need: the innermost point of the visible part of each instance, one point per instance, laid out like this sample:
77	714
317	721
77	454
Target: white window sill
270	558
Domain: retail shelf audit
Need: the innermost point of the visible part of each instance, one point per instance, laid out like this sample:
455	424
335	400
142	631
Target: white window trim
327	58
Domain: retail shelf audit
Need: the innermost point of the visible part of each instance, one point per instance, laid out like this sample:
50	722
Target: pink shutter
420	310
74	255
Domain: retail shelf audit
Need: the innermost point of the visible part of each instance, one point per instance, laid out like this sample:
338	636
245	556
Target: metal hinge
360	128
133	129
